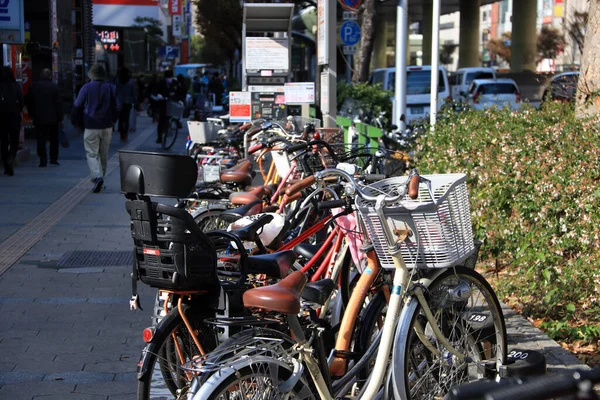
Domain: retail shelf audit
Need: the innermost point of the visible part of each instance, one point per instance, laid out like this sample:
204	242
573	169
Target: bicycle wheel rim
417	372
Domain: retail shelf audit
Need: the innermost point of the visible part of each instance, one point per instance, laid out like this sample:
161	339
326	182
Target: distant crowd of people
103	105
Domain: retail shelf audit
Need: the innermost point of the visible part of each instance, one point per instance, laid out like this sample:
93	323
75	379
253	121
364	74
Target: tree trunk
588	88
367	29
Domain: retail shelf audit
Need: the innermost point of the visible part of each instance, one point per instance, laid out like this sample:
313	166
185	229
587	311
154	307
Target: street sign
350	4
299	93
350	16
12	22
239	107
350	50
350	33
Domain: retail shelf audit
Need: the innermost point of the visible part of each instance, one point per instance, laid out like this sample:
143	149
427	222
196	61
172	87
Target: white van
418	88
464	77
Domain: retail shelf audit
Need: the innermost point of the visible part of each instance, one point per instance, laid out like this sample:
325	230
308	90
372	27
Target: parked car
562	87
465	76
486	93
418	89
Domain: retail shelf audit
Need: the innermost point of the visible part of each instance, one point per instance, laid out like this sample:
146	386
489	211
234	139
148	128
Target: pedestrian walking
97	109
11	105
127	96
164	92
44	106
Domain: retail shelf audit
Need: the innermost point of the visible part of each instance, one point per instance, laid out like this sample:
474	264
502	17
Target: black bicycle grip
373	177
537	388
296	147
326	205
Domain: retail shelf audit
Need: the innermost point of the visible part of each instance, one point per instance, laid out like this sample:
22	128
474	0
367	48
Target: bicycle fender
220	376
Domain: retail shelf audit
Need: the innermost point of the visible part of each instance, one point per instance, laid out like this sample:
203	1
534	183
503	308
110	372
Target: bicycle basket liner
167	255
175	110
282	162
202	132
442	235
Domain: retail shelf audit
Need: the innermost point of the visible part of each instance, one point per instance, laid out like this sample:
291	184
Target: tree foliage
501	46
576	28
550	42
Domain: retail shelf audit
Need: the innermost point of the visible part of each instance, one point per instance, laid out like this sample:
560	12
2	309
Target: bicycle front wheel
169	137
469	315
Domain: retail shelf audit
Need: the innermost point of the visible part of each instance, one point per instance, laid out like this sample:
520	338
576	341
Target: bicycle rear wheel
169	137
159	373
469	315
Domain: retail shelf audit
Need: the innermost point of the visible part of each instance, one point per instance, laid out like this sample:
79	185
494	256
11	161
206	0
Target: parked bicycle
174	115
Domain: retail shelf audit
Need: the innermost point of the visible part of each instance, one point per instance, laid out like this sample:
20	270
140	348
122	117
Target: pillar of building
523	49
379	59
426	30
469	34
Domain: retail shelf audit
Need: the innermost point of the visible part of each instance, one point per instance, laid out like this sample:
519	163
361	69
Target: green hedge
534	182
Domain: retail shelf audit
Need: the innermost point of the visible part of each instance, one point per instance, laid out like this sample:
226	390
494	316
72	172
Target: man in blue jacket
97	108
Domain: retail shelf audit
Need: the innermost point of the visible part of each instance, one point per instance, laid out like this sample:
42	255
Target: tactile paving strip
95	259
19	243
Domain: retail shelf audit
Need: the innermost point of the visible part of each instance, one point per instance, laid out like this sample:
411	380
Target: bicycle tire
417	372
170	136
215	220
158	373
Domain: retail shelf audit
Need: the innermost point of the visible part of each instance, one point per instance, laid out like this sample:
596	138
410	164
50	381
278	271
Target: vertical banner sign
322	33
176	25
175	7
239	107
54	29
12	22
325	92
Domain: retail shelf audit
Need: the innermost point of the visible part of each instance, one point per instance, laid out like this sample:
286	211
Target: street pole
435	61
401	51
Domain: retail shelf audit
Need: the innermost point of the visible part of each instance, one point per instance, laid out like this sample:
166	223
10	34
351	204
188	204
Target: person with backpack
11	105
44	106
97	108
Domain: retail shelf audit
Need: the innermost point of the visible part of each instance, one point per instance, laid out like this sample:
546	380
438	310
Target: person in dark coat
11	105
44	106
127	96
216	87
164	92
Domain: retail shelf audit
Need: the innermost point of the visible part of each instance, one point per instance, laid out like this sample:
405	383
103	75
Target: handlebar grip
253	149
413	187
301	185
253	131
373	177
296	147
326	205
538	388
245	126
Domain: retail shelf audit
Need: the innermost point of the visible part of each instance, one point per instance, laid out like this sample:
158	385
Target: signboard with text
12	22
240	107
110	39
322	35
177	25
264	53
300	93
175	7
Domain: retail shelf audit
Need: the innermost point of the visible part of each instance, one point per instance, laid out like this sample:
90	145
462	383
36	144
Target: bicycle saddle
307	250
318	292
283	297
249	232
251	208
247	197
274	265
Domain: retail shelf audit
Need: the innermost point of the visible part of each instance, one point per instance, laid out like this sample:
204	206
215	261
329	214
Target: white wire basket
202	132
175	110
441	236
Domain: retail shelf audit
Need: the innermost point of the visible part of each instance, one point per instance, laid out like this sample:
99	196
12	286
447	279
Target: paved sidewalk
66	330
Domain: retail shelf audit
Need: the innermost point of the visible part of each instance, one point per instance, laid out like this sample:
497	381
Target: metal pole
435	61
401	51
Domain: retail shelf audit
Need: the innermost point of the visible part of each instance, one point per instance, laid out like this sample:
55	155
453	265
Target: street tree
576	28
588	87
550	42
501	46
367	41
154	32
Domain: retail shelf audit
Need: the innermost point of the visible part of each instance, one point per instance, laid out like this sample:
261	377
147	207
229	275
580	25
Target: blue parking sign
350	33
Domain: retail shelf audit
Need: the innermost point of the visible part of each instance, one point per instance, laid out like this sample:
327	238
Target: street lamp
147	49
